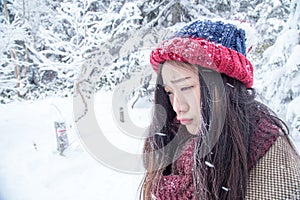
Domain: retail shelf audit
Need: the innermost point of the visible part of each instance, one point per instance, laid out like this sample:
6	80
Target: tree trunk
23	11
17	68
5	11
176	13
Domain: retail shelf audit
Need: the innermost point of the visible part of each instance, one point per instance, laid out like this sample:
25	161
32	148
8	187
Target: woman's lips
185	121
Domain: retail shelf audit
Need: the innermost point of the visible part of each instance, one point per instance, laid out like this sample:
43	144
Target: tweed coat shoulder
276	176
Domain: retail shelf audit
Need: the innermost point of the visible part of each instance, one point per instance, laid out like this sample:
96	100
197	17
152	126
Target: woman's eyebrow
181	79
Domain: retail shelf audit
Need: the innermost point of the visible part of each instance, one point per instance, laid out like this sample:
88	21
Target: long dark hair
229	108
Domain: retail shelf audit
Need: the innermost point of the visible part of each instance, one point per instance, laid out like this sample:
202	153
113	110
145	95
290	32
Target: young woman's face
183	88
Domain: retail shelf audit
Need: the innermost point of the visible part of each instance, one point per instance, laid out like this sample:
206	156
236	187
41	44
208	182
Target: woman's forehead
176	72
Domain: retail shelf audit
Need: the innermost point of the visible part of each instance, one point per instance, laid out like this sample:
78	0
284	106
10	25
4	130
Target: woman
209	137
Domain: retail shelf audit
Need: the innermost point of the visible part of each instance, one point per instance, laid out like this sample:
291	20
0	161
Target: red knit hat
207	54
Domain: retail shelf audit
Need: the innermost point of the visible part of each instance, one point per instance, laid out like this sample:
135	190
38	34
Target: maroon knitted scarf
179	184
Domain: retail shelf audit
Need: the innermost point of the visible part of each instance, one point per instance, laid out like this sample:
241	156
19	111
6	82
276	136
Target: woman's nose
180	105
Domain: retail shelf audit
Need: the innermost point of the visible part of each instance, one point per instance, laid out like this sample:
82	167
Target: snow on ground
29	173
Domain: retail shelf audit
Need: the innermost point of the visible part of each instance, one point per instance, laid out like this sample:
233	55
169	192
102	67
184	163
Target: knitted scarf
179	184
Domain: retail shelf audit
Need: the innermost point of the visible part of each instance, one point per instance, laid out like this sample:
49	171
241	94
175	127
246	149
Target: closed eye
186	88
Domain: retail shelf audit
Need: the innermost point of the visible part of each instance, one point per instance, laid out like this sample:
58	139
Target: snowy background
39	172
51	51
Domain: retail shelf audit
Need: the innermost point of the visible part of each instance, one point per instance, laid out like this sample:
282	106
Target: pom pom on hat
214	45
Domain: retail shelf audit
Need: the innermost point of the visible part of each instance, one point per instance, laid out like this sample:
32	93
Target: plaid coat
276	176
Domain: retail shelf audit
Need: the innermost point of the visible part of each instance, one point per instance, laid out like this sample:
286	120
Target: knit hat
214	45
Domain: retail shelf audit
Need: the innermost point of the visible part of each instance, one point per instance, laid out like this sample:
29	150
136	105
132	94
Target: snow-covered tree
44	43
15	57
283	61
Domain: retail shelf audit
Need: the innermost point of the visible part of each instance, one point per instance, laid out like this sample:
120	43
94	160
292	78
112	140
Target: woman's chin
192	130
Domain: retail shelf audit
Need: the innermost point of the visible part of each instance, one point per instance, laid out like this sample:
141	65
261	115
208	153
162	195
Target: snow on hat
214	45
